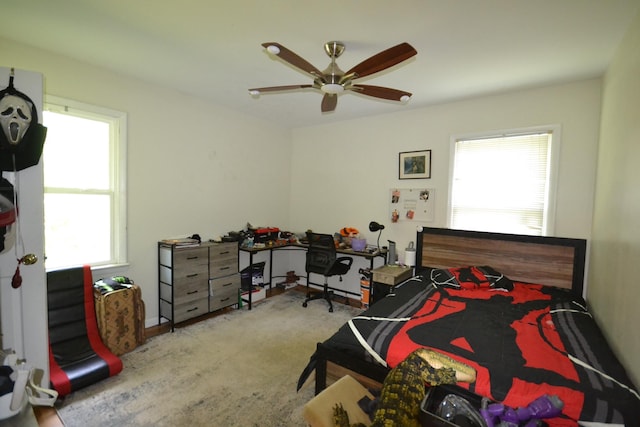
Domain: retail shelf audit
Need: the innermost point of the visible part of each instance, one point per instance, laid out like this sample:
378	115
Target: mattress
524	340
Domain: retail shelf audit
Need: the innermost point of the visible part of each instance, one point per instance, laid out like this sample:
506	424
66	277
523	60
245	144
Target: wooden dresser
195	280
224	279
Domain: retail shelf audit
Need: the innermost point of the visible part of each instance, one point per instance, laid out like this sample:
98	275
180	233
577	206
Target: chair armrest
345	260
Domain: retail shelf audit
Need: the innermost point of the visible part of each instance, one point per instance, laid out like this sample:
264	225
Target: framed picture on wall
415	165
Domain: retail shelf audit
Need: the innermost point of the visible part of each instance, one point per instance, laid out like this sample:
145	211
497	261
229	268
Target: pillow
483	277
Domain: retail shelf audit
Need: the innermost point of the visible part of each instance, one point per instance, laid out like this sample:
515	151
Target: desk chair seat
322	259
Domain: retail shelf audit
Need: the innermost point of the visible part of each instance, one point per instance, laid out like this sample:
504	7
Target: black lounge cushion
77	356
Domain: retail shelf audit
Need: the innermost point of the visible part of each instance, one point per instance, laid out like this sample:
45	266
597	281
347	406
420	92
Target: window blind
501	183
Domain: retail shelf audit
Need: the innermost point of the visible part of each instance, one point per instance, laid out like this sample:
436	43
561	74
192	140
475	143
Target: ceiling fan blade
292	58
383	60
329	102
381	92
259	90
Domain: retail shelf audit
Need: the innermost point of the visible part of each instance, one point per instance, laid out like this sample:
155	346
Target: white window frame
117	164
548	226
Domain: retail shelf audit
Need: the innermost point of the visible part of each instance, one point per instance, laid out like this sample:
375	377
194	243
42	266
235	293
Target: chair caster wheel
304	304
331	310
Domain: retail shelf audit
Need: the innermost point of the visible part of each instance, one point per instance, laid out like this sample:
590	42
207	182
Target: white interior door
23	311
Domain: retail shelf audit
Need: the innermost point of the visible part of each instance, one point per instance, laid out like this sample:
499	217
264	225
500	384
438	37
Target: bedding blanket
523	342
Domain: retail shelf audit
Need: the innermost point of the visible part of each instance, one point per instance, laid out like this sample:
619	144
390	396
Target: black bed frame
575	261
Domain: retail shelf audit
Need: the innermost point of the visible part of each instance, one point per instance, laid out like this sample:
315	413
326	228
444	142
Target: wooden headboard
552	261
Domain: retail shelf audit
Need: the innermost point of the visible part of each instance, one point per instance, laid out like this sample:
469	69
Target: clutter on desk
392	256
234	236
349	238
349	232
410	255
270	236
266	236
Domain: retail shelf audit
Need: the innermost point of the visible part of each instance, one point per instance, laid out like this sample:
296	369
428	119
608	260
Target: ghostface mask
22	137
15	118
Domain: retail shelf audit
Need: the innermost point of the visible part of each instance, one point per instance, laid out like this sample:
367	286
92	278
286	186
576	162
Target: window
84	182
505	183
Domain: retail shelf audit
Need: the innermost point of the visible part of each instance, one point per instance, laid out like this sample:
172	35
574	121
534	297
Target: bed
509	305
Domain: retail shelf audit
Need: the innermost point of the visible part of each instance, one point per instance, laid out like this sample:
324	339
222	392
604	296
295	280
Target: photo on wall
414	165
411	204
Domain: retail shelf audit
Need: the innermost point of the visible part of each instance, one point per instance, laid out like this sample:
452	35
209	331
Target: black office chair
322	259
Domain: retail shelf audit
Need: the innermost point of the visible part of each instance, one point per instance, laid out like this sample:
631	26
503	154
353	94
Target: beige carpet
236	369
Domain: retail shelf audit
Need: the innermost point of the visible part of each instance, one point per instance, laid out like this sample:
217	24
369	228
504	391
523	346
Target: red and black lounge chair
77	356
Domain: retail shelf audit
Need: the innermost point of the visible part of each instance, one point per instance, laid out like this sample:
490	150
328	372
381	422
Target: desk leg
250	279
270	269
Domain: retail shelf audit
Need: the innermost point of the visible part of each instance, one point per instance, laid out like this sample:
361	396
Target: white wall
614	292
342	173
193	167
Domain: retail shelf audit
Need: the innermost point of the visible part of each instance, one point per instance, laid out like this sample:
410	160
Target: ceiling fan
333	81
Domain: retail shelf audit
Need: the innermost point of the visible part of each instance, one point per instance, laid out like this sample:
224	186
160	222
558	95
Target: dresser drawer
191	309
186	260
223	259
190	291
221	251
223	298
179	276
188	278
223	283
223	268
184	311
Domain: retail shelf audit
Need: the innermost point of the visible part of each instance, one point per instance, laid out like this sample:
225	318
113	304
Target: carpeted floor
236	369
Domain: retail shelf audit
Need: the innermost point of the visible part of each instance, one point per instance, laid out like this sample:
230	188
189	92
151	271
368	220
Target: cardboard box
391	274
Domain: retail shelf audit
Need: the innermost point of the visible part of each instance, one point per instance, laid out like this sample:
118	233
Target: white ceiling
212	48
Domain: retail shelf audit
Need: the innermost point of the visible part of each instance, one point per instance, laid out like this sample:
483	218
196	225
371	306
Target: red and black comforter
524	340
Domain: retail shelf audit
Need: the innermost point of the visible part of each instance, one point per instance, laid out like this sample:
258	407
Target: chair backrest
321	254
68	335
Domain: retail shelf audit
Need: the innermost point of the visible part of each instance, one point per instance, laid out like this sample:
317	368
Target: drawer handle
192	257
225	299
227	284
192	309
192	275
224	253
225	268
192	292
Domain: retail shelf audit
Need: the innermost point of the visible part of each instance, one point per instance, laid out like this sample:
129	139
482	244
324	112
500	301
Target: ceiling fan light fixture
332	88
273	49
333	81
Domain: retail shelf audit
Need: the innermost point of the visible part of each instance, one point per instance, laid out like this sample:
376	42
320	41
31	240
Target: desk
302	247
